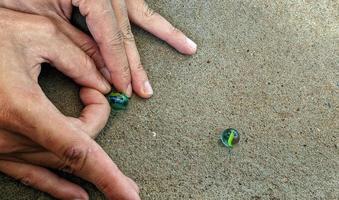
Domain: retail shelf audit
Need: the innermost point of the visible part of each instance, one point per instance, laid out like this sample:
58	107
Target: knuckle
148	15
74	159
125	72
113	41
48	26
127	31
175	31
61	165
116	41
139	68
105	8
121	72
147	12
87	67
104	186
89	48
28	179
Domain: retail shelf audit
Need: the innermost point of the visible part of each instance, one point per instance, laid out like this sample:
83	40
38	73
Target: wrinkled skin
34	134
113	48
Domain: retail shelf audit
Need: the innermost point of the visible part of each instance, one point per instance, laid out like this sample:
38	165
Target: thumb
39	120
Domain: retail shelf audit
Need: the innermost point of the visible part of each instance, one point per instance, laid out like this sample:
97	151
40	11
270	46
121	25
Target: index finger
105	30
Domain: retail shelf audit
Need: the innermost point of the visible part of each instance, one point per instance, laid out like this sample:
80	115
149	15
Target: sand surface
267	68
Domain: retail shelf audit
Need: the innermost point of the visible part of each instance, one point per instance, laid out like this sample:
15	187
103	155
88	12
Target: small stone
118	101
230	137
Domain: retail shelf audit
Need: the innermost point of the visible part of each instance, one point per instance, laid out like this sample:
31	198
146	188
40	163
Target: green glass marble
118	101
230	137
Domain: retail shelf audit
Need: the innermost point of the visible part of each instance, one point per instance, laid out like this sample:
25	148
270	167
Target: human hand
108	21
34	135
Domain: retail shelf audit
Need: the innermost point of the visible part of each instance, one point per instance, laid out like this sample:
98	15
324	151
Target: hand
34	135
108	22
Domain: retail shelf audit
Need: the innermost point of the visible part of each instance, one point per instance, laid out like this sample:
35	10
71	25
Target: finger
44	124
105	30
42	179
140	14
42	158
50	160
94	116
84	42
140	82
73	62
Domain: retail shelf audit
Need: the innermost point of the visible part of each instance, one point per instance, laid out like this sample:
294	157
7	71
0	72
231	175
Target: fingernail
191	44
128	92
148	90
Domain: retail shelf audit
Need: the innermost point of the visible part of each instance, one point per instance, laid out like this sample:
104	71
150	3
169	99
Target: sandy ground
268	68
